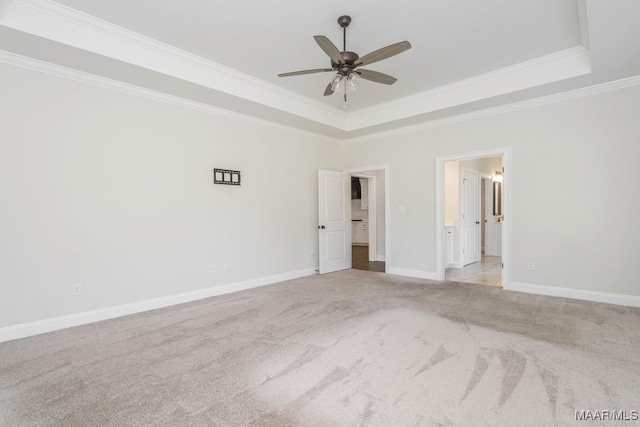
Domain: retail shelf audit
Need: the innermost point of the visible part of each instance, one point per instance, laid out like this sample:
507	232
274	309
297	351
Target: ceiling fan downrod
344	22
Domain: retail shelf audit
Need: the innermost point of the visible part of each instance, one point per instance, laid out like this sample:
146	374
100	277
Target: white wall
487	165
116	192
356	210
573	177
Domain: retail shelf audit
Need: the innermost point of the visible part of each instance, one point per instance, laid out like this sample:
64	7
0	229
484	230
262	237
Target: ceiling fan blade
328	91
383	53
377	77
299	73
330	49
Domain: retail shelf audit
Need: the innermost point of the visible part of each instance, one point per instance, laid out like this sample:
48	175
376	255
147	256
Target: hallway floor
488	271
360	260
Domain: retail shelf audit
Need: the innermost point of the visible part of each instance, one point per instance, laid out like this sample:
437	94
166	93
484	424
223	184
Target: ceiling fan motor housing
349	59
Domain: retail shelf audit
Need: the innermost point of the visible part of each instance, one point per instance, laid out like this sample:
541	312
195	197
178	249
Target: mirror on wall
497	198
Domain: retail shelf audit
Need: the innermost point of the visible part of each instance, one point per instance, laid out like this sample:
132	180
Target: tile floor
487	271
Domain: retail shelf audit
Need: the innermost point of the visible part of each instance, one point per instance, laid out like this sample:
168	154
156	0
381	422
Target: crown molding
530	103
80	76
129	89
546	69
583	22
74	28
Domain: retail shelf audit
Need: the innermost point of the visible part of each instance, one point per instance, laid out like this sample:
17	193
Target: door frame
505	153
360	172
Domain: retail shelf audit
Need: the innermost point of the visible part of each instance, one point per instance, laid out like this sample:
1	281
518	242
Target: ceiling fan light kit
345	63
336	82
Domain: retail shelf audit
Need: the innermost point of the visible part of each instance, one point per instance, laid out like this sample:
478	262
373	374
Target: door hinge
502	266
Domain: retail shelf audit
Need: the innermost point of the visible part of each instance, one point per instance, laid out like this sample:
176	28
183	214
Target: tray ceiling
227	54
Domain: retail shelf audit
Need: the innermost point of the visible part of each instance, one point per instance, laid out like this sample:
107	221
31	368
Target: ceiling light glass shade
336	83
497	177
353	81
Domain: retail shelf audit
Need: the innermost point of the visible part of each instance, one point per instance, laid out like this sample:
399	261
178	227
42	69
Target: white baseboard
48	325
456	264
420	274
581	294
381	258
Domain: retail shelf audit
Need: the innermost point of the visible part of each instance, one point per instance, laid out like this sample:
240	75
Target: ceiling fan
345	64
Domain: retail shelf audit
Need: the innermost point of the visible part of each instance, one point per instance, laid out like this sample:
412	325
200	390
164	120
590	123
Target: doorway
486	270
369	218
472	238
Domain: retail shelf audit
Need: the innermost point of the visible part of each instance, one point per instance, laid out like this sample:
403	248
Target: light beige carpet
346	349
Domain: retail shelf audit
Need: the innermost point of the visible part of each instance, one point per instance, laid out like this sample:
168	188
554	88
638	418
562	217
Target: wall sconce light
497	176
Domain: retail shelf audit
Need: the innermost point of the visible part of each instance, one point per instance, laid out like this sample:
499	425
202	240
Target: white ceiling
466	55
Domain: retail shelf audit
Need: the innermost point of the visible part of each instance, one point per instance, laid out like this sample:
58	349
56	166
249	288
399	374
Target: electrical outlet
225	267
532	265
412	255
77	289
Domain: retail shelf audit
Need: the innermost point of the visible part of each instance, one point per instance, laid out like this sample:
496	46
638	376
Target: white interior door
334	221
470	217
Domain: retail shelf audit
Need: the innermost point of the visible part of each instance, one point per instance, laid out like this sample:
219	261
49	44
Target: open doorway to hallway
368	249
473	220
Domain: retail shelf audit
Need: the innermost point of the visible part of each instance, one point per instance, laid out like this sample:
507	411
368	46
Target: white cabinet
360	234
495	247
448	245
